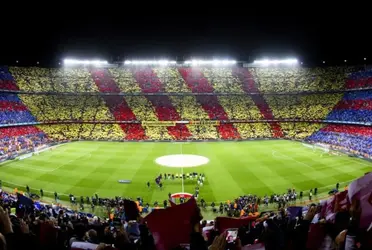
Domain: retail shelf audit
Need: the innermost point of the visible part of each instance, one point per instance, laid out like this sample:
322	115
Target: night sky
186	30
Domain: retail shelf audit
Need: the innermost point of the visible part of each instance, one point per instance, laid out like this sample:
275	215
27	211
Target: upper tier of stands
220	80
244	99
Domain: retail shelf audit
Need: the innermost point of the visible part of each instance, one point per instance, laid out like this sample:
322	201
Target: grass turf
235	168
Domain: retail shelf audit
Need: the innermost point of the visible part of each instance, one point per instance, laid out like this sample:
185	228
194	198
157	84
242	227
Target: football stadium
234	138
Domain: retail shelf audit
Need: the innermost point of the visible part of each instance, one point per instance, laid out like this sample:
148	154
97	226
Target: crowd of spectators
170	79
352	138
302	107
34	79
359	79
13	111
14	140
354	107
298	79
97	109
342	221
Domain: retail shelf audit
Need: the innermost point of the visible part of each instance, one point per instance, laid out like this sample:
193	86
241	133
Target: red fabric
360	189
315	236
12	106
249	86
172	226
258	246
349	129
223	223
355	104
8	84
359	83
165	111
343	204
18	131
198	83
117	105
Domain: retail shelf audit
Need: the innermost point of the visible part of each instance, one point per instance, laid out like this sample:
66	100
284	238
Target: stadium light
210	62
365	58
267	62
84	62
323	61
345	60
149	62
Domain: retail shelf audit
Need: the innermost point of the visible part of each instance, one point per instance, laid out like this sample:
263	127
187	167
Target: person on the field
315	191
165	203
41	193
310	194
148	184
55	196
161	186
177	176
28	189
172	176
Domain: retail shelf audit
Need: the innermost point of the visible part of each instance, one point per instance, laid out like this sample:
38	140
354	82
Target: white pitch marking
182	161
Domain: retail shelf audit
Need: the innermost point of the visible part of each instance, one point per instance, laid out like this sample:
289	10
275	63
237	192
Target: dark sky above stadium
184	29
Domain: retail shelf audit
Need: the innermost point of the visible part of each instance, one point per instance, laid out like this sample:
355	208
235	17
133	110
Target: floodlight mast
75	62
193	62
268	62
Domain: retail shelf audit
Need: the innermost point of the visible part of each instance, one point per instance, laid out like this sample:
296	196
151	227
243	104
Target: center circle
186	161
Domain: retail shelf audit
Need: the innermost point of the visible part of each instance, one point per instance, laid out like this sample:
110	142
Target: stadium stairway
196	81
117	105
165	111
249	86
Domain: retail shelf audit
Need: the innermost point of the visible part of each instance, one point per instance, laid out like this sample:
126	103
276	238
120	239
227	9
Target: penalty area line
288	157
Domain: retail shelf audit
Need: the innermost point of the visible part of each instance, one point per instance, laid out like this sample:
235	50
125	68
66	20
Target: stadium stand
117	105
233	103
249	86
199	84
341	220
354	107
227	94
361	79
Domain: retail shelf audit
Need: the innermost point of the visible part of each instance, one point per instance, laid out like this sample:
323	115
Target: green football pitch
233	169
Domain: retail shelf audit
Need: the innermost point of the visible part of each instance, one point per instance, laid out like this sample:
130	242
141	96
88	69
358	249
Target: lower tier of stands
18	139
355	139
352	138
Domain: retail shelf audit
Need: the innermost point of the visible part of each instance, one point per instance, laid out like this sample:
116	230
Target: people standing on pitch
27	189
41	193
315	191
337	186
148	185
165	203
55	196
310	194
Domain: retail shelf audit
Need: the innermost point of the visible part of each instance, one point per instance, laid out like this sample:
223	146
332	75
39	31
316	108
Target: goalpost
322	149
